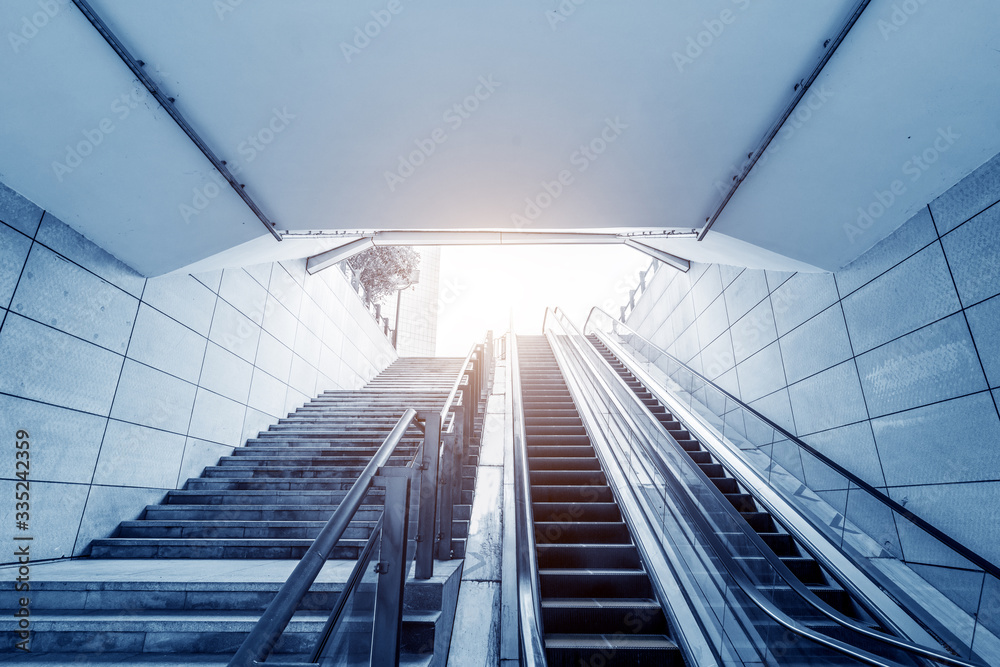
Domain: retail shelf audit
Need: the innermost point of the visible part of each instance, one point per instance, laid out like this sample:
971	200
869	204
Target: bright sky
481	284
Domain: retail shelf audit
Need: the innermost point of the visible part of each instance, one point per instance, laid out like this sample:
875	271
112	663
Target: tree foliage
384	269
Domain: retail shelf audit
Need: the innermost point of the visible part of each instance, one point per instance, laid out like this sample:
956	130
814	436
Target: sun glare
485	287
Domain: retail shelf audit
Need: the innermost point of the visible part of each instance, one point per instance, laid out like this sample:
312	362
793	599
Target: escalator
597	602
789	551
656	544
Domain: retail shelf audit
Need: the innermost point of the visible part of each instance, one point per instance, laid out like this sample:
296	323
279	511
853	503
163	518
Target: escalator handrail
688	509
933	531
279	612
779	568
528	589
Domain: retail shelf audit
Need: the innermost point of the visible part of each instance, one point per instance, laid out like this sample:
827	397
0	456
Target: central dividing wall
129	386
891	366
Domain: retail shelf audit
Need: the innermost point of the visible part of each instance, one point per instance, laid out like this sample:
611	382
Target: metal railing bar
279	612
356	574
457	384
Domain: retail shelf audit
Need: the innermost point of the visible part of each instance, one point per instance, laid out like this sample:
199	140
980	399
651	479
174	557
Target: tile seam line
916	407
13	293
964	222
965	318
868	417
864	397
107	423
784	371
201	370
924	485
894	266
912	331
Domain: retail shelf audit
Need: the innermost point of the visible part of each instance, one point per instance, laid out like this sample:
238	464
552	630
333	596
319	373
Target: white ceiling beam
325	260
678	263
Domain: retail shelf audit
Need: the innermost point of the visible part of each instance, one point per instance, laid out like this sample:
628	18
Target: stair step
163	631
258	530
271	512
137	547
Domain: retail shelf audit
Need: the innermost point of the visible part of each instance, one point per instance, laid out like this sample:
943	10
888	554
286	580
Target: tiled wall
129	386
890	366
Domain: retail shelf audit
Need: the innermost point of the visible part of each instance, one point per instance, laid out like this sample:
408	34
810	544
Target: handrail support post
428	494
461	446
388	626
450	475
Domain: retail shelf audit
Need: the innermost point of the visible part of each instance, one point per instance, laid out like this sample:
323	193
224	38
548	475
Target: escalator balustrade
795	557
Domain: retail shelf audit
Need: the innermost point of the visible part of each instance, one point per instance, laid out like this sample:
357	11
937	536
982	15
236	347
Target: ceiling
313	114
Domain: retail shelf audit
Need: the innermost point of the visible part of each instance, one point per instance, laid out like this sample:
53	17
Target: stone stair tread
178	660
180	541
229	523
179	620
192	574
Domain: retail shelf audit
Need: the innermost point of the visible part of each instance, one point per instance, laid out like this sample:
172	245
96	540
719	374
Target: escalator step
743	502
762	522
611	650
701	457
780	543
727	485
571	493
564	463
689	445
567	477
588	556
543	451
594	583
575	532
712	469
576	511
606	616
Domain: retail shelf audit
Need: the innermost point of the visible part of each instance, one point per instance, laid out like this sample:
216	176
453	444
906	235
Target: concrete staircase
185	582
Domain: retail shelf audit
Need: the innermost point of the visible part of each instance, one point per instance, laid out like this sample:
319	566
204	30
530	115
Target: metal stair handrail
457	384
935	532
272	623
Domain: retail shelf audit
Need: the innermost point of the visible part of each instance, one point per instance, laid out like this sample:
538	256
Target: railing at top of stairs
442	444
